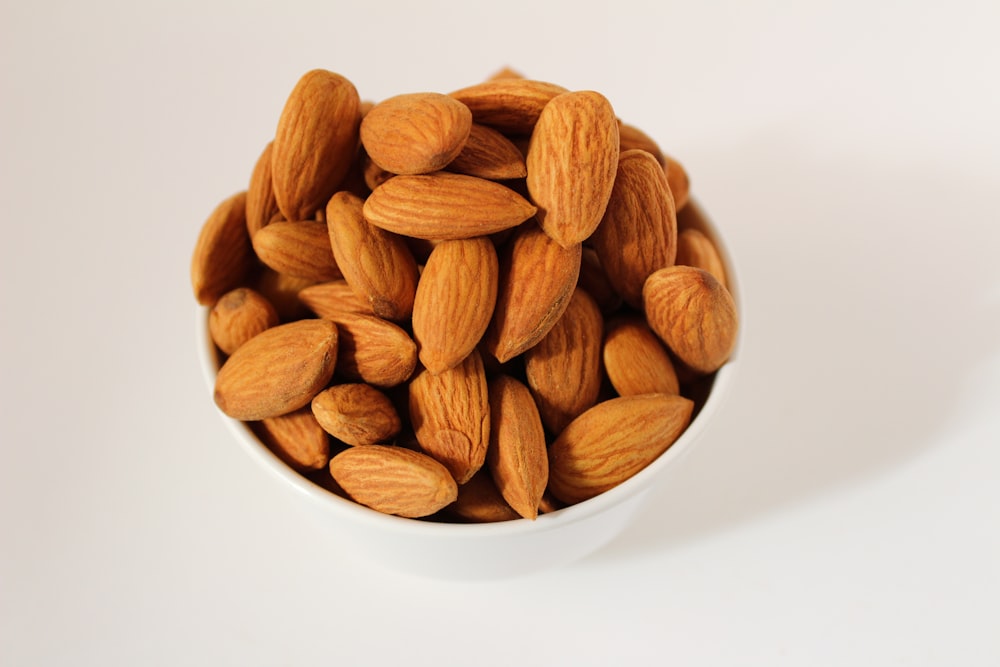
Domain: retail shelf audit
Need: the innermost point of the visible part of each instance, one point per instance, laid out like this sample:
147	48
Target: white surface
844	510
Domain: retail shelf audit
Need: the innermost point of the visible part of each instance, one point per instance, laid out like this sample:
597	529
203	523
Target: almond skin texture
454	301
572	161
630	137
638	234
489	154
510	105
517	457
377	264
693	314
356	414
479	501
328	299
393	480
677	178
612	441
277	371
415	133
537	278
300	249
564	368
238	316
635	360
443	206
223	258
261	204
694	248
450	416
297	439
315	143
373	350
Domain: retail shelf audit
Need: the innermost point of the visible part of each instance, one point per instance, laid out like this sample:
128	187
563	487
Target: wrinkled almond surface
416	133
517	456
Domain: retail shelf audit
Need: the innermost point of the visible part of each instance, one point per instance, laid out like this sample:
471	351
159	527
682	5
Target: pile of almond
476	306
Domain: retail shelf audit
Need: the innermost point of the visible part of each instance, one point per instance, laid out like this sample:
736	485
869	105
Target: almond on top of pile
467	307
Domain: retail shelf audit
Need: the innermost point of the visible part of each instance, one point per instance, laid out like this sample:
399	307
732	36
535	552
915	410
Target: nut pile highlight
471	307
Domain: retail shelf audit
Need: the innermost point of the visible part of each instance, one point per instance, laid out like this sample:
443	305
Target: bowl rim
360	514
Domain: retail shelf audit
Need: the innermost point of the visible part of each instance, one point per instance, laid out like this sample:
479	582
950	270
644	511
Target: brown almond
331	298
238	316
613	441
694	248
517	456
415	133
297	439
443	206
479	501
373	350
356	414
373	174
510	105
505	73
693	314
635	360
377	264
571	163
638	234
261	204
223	258
282	290
454	301
450	416
277	371
564	369
298	248
631	137
315	143
679	181
536	280
393	480
489	154
595	282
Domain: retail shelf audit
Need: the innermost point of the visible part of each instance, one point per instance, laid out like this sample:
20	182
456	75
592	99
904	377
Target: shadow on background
857	342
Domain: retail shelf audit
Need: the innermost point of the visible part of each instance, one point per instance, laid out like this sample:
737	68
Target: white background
845	509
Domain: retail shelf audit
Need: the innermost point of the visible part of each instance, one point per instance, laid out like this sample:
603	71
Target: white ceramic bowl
478	551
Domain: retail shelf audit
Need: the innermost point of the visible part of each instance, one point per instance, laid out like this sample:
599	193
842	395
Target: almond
300	248
635	360
454	301
677	178
489	154
693	314
537	278
373	350
330	298
510	105
517	457
373	174
694	248
393	480
415	133
377	264
282	290
571	164
297	439
443	206
261	204
450	416
238	316
595	282
638	234
223	258
277	371
356	414
315	143
612	441
630	137
479	501
564	368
